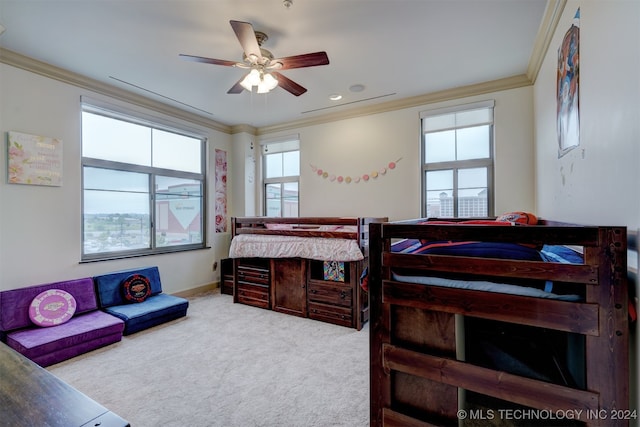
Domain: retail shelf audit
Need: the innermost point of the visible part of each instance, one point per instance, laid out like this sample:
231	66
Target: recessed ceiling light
335	97
356	88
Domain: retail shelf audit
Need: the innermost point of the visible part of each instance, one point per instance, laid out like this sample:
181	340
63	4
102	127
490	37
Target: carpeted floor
230	365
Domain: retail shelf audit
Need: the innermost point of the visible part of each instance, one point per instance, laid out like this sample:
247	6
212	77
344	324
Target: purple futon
87	329
150	308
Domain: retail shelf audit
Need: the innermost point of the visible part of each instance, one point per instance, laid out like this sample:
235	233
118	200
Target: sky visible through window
111	191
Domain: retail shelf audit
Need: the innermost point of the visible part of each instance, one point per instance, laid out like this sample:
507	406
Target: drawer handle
313	291
343	295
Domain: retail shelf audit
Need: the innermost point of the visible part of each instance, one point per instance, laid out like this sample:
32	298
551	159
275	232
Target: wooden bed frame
296	286
420	375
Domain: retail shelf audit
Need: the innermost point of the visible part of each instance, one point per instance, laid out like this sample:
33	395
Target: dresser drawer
253	275
251	294
329	293
331	314
227	285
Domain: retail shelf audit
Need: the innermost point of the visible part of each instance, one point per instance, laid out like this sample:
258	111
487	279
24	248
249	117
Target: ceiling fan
263	67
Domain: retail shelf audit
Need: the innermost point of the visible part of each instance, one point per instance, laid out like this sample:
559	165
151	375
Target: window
143	187
457	146
281	166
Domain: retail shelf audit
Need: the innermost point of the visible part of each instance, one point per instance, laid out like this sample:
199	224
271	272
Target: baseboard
199	290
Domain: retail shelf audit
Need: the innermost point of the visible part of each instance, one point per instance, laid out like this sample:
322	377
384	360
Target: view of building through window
281	164
142	188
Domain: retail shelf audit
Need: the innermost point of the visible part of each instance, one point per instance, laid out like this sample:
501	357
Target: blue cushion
109	286
153	311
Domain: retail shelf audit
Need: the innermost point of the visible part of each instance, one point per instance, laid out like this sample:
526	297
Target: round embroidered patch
136	288
52	307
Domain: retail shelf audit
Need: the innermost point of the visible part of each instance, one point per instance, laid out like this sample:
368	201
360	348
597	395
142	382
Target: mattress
548	253
316	248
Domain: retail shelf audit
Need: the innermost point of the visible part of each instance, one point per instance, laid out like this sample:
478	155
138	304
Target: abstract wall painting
567	89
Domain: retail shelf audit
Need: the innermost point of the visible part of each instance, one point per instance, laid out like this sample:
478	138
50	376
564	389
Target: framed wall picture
34	160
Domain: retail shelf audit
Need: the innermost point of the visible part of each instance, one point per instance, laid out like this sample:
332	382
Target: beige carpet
230	365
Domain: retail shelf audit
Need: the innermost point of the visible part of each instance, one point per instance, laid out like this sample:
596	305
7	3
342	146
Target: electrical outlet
215	265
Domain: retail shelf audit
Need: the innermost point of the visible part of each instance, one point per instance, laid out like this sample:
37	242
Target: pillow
52	307
328	227
519	218
480	249
349	228
274	226
136	288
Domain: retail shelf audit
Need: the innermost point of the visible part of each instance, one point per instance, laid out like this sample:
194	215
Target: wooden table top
32	396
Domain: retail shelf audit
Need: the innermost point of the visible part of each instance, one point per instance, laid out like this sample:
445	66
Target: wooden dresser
298	287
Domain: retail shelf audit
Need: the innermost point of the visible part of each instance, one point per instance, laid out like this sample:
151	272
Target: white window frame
279	145
457	165
113	112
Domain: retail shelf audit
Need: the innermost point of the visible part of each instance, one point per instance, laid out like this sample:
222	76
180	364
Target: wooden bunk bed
429	360
308	267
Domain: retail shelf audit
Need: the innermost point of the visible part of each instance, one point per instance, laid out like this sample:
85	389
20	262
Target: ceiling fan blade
208	60
236	88
247	38
288	84
302	61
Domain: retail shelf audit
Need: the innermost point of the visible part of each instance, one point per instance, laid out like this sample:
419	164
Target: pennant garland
356	179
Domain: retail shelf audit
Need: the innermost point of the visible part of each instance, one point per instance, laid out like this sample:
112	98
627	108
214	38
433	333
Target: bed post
609	351
379	328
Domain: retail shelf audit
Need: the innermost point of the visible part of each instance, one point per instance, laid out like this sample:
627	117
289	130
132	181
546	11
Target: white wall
244	148
362	145
40	227
596	183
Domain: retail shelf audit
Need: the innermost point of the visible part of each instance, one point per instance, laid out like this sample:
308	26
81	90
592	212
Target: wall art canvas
34	160
221	191
568	105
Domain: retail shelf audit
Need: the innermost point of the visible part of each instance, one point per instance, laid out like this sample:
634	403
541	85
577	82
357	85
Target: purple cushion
80	334
14	303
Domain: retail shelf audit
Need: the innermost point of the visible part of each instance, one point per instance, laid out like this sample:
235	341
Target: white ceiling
396	48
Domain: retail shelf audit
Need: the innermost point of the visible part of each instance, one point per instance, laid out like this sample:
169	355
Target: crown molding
47	70
244	128
547	29
513	82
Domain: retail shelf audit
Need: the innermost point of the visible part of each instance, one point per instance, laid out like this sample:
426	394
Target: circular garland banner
355	179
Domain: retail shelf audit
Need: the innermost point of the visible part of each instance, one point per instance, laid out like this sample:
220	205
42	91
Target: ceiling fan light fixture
265	82
252	79
268	82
